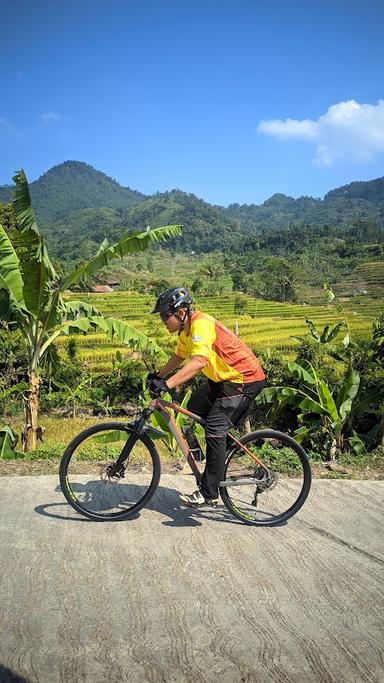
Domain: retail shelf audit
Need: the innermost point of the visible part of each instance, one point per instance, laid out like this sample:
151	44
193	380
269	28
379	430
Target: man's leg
218	422
202	399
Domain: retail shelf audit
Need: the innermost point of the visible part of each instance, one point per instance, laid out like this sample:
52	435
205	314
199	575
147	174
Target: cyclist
234	378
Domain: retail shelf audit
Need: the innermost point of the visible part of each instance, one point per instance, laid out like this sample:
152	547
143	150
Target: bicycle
111	470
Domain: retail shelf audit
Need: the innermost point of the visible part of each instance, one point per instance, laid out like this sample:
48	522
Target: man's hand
157	387
150	377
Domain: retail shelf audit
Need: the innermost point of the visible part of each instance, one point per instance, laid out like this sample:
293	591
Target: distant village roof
102	289
113	283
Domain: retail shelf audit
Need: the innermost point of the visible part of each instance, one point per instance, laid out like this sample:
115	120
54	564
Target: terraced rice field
265	324
367	278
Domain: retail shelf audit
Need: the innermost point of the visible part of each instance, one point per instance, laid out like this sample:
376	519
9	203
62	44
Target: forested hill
370	190
205	227
71	186
342	206
77	205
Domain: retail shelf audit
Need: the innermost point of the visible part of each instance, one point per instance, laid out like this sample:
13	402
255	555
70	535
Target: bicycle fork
117	469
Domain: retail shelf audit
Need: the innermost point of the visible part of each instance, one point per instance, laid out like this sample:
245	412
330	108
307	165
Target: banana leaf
366	403
8	442
302	432
357	444
312	329
303	371
157	419
112	327
39	274
111	437
329	294
75	309
127	245
11	278
327	337
312	406
268	395
327	400
347	393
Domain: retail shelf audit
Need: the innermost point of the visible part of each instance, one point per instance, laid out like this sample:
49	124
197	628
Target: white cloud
48	117
348	130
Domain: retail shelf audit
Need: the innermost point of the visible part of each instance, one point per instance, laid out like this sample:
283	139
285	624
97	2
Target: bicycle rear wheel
266	497
87	483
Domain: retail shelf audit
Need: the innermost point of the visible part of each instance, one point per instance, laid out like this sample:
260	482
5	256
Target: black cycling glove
157	387
150	377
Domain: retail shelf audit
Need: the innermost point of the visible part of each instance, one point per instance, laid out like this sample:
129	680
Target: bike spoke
93	479
265	495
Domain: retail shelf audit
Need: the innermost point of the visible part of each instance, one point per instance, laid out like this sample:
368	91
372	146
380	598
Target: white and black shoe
197	500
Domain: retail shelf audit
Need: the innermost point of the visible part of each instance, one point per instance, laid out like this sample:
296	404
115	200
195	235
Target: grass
60	431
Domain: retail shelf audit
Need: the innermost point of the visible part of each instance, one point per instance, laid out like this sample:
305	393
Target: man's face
171	321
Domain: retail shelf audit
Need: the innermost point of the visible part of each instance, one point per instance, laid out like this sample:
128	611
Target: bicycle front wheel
266	496
92	487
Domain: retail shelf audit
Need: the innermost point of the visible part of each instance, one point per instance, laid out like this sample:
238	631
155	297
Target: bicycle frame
164	406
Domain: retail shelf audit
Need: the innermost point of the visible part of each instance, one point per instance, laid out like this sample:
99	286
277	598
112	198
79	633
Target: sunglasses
165	316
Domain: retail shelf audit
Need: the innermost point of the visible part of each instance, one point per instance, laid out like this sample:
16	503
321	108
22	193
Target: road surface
180	596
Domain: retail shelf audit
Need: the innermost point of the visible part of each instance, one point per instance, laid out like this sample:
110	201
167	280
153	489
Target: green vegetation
32	295
71	186
259	269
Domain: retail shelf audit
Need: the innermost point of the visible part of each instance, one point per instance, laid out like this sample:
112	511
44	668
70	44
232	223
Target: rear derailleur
265	479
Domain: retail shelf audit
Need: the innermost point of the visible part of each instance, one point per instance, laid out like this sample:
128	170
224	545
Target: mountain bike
111	470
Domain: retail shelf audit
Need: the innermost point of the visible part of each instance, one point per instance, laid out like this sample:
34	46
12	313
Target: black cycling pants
221	405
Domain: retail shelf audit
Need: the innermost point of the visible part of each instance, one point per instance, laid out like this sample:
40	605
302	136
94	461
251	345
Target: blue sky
232	101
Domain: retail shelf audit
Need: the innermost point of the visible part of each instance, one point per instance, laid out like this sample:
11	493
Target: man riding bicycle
234	378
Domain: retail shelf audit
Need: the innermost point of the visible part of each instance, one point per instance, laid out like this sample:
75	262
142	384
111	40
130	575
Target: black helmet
172	299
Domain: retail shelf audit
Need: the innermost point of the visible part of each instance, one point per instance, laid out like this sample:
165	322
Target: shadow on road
8	676
165	502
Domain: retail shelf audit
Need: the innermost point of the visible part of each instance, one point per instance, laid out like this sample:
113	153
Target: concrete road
179	596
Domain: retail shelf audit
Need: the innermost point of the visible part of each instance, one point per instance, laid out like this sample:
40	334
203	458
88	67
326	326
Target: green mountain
205	227
71	186
340	207
77	207
370	190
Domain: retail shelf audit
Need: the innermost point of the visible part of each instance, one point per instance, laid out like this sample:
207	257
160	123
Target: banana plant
72	395
325	337
31	294
333	412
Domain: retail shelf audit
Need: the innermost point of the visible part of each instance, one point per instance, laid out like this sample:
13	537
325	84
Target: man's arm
187	372
172	364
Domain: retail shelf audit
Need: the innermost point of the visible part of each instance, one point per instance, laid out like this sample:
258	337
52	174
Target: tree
240	305
31	294
279	278
215	279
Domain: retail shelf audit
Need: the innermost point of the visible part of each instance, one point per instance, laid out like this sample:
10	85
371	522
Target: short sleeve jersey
228	357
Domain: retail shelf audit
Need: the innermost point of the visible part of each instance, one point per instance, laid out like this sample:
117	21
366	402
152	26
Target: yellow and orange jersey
228	357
